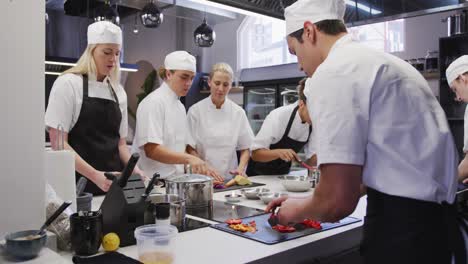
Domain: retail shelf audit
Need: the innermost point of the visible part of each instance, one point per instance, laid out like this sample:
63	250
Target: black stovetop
192	224
221	211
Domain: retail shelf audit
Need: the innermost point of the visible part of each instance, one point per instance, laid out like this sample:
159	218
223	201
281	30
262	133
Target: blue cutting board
265	234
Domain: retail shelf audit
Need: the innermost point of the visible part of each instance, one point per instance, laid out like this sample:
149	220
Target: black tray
236	187
265	234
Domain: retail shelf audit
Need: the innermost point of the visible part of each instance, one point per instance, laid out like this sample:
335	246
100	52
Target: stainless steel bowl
294	183
252	193
267	197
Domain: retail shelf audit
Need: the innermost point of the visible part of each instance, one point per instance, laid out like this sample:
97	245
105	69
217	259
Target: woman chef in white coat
161	124
285	131
91	106
377	122
457	78
219	127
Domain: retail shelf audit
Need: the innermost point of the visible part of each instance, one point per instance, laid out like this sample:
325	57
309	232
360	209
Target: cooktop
191	224
221	211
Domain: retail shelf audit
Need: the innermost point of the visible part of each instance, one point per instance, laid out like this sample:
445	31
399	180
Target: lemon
110	242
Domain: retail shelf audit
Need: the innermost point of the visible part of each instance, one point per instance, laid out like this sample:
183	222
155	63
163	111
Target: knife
273	219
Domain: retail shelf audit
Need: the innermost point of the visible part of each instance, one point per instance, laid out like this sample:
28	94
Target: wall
22	156
422	34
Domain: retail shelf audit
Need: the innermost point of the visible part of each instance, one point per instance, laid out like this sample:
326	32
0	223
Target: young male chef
161	127
376	122
285	131
457	78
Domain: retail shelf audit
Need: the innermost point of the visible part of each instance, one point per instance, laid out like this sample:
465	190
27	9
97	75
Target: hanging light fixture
204	35
135	25
106	13
151	16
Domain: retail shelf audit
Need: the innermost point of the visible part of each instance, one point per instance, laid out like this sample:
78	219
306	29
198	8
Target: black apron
279	166
95	136
403	230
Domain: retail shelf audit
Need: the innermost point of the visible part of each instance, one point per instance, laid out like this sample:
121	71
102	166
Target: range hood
57	65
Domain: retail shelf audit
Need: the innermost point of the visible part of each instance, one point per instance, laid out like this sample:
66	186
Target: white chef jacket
66	98
373	109
161	119
216	134
465	135
274	127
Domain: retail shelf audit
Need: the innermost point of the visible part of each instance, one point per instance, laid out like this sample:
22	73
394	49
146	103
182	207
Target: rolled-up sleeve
150	122
266	135
61	105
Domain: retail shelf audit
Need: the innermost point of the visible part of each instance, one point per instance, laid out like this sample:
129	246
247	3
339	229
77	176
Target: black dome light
151	16
204	35
106	13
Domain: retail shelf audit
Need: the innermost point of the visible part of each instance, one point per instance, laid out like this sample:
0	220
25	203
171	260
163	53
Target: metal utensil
150	186
54	216
305	165
80	186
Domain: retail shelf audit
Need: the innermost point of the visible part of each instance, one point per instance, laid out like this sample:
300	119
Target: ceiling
358	11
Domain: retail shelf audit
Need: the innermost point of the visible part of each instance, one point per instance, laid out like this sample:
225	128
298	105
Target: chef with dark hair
376	122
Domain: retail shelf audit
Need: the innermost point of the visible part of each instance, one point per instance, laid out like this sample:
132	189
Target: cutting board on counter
236	187
265	234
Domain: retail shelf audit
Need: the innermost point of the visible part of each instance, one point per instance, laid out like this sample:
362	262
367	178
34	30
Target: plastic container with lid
155	244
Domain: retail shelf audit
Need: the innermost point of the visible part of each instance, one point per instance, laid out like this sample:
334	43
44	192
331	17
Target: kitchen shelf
263	105
431	75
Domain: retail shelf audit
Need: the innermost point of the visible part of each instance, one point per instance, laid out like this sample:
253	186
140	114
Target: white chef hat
104	32
313	11
180	60
457	68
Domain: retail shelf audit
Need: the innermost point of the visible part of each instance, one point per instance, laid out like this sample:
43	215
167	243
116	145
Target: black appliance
192	224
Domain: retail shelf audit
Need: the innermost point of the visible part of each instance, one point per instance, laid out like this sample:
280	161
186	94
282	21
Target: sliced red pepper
233	221
284	229
312	224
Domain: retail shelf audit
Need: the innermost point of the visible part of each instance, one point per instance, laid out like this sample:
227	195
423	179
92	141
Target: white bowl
294	183
251	193
267	197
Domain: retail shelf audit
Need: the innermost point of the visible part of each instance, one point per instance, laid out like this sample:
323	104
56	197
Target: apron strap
113	92
290	122
85	86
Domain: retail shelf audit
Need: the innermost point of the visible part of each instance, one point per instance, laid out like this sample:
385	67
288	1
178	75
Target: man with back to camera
376	122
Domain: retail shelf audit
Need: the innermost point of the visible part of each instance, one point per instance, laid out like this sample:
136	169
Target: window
261	42
385	36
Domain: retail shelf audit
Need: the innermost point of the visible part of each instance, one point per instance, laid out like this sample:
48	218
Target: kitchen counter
208	245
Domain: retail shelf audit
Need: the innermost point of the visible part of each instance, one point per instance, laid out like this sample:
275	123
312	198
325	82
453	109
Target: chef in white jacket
377	122
457	78
161	124
219	127
91	106
285	131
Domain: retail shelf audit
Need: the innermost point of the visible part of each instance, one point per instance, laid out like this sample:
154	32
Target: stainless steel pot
457	23
177	207
195	188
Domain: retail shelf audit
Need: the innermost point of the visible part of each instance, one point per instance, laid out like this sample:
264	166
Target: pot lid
189	178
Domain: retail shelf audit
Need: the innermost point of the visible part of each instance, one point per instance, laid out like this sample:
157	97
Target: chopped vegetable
233	221
284	229
312	224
